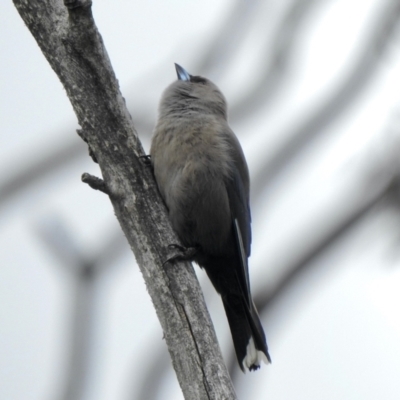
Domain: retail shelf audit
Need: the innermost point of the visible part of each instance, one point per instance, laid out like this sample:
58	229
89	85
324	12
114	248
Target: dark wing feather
240	215
242	273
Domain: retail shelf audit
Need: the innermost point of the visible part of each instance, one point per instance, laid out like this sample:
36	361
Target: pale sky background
336	335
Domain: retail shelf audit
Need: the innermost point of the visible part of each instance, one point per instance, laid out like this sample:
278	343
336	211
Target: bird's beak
183	75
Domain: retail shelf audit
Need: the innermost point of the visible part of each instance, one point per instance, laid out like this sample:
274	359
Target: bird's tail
247	332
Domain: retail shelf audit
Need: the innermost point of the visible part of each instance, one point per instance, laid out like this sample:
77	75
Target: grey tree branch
69	39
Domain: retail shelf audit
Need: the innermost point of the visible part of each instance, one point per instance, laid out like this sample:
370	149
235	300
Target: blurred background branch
366	64
85	272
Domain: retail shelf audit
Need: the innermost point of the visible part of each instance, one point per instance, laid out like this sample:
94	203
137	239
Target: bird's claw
146	159
182	254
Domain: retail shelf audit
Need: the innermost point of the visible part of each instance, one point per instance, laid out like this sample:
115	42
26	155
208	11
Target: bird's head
193	93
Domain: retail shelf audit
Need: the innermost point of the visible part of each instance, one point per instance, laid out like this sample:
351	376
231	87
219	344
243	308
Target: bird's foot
181	253
146	159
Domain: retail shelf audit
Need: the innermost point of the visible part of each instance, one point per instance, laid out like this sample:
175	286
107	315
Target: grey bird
202	175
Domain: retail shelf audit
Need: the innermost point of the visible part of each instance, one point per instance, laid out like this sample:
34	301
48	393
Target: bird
203	178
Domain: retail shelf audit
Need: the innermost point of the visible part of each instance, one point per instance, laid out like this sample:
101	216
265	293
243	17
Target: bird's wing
240	213
242	273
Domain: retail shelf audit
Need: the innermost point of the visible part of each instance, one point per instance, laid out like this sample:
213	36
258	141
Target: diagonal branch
70	41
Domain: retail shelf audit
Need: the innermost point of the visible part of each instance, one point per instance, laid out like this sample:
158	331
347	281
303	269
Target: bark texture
69	39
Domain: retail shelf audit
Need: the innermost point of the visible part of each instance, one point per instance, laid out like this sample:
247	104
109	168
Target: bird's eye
198	79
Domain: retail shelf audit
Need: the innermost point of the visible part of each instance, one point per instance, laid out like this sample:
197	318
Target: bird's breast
190	165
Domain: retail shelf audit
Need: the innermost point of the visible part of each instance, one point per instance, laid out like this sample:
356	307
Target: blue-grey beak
183	75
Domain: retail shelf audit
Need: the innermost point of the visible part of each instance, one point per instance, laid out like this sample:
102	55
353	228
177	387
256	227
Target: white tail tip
253	358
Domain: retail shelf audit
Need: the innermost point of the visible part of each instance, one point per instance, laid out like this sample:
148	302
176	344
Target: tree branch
69	39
